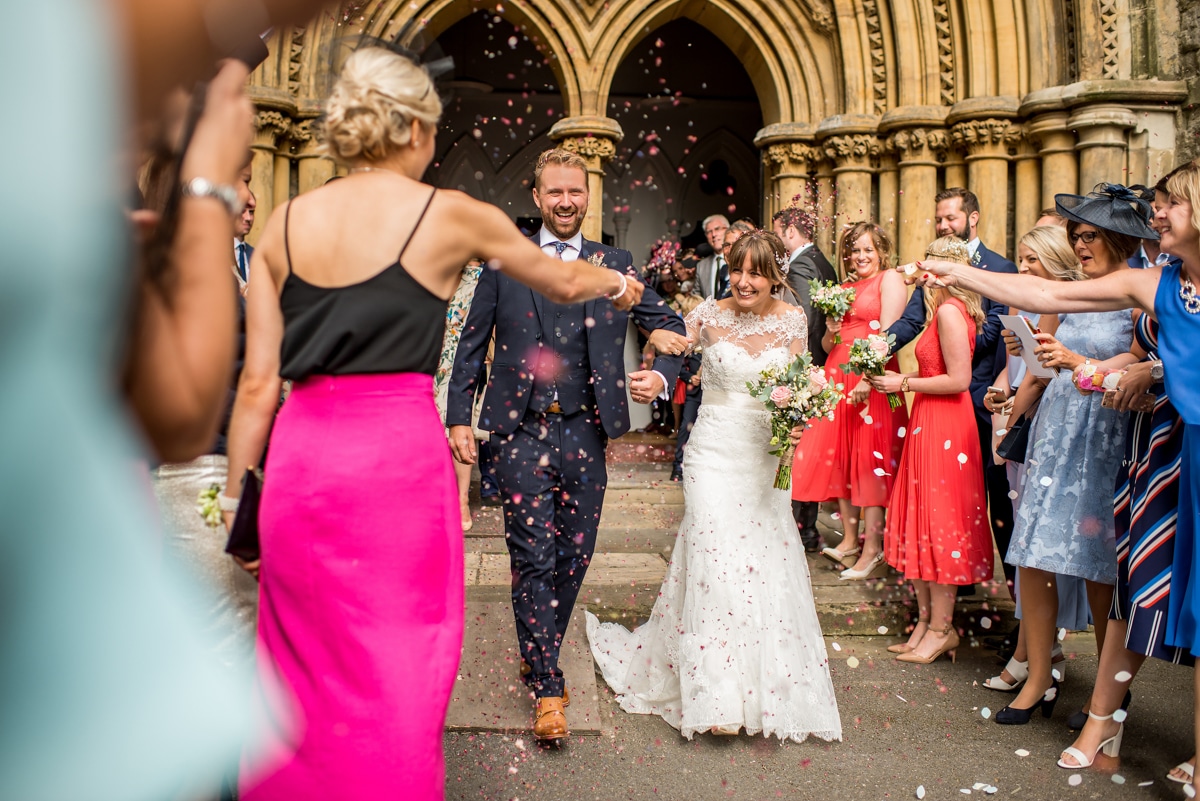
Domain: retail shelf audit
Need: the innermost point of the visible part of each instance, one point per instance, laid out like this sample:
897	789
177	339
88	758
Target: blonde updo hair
369	114
952	248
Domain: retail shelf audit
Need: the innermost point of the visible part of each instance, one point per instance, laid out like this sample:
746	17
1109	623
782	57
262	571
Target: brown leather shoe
550	722
525	669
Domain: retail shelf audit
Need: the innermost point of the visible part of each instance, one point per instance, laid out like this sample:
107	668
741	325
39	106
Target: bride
733	641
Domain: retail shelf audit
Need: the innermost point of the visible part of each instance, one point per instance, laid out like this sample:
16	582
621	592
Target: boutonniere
596	259
976	258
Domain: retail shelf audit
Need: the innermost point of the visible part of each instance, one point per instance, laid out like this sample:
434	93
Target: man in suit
957	214
796	227
709	270
241	250
555	396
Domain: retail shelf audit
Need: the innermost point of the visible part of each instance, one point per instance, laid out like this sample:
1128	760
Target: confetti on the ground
1117	778
852	662
836	647
1021	752
1145	784
882	629
1075	780
1062	634
920	791
986	713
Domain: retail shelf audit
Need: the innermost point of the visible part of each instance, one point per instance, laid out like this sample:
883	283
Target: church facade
682	108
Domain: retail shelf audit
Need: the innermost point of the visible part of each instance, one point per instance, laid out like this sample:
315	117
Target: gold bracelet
904	384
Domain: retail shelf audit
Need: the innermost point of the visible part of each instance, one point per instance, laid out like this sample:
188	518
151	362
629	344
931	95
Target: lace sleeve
798	330
697	318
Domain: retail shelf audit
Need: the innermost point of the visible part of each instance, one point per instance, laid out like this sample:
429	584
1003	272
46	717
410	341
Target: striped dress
1146	509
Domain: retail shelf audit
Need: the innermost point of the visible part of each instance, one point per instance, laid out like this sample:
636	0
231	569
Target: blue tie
241	249
559	247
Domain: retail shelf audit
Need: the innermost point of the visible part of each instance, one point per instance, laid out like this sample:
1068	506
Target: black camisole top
388	323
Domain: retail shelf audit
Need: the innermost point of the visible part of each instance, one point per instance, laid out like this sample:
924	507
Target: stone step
489	695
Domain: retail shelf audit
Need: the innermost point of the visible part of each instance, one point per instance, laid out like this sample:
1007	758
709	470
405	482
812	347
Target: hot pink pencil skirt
361	600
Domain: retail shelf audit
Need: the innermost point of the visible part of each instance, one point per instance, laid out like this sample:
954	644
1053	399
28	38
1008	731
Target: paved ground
904	727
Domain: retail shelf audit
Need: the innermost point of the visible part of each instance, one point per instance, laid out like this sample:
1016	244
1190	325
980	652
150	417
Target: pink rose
780	395
817	379
878	346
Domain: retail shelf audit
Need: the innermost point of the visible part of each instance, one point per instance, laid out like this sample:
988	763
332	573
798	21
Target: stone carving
295	60
599	147
269	127
1070	36
976	134
797	153
1015	138
304	135
821	13
853	147
919	143
878	57
945	47
1110	40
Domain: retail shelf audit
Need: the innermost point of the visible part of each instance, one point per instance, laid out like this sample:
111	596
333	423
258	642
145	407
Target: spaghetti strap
413	232
287	249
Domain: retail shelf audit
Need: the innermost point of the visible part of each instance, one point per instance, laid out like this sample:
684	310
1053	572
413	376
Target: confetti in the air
1123	676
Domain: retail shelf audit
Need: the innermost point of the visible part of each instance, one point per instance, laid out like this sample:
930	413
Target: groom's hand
645	385
462	444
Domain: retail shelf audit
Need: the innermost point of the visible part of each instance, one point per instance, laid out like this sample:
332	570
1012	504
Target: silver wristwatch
202	187
1156	371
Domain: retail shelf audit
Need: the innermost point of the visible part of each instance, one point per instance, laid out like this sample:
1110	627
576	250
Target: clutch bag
1016	441
243	536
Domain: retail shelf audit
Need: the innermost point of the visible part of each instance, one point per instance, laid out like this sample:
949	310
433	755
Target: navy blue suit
550	467
987	364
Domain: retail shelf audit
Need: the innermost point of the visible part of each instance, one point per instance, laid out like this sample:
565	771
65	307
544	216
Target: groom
555	396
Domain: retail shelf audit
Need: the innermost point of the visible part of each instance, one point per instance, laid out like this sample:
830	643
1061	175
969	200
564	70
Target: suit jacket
240	359
706	275
515	312
989	351
810	265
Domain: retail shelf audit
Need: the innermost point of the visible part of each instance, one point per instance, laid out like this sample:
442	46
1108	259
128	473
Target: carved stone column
919	152
269	129
595	139
1027	204
888	190
854	156
1055	143
314	169
787	154
1102	144
827	231
987	175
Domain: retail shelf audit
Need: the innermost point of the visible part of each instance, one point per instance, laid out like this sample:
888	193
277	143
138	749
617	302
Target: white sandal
839	557
1111	747
1018	670
1186	768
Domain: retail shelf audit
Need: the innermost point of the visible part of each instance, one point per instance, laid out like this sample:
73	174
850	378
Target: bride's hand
889	382
668	342
794	435
859	394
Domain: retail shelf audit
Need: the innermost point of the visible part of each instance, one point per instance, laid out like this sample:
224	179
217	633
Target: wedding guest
712	272
1044	252
456	316
937	533
361	344
1168	293
853	458
1146	508
687	386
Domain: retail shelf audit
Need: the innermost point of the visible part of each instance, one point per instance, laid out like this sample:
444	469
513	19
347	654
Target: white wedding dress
733	639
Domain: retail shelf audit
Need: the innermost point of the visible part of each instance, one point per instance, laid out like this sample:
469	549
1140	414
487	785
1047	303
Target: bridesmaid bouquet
208	507
831	299
794	395
869	357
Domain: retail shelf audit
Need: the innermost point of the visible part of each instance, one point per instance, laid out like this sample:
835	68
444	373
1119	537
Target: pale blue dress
1064	523
107	690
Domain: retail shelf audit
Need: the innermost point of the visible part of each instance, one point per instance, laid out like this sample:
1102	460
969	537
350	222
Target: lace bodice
737	346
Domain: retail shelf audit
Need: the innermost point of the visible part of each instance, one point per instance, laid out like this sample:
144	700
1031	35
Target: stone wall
1188	143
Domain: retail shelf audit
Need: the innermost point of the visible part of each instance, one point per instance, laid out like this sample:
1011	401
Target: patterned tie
559	247
241	260
722	290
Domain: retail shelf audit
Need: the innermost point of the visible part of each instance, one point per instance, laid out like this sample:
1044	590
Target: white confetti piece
1189	791
1057	674
878	455
985	623
1002	432
868	419
965	791
902	698
900	432
920	791
1123	676
956	554
1021	752
874	325
916	430
836	647
986	713
1062	634
946	445
879	471
1013	495
882	629
1145	784
1117	778
852	662
1120	715
979	786
1075	780
1046	481
990	789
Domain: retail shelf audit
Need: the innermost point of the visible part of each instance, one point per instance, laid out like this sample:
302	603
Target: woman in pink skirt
361	598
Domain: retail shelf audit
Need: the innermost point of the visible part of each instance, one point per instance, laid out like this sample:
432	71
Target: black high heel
1012	716
1077	719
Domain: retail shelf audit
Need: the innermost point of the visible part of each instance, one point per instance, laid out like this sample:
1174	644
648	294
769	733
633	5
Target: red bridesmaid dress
937	526
856	454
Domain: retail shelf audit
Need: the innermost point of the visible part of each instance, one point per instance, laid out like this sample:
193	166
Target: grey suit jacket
706	275
809	265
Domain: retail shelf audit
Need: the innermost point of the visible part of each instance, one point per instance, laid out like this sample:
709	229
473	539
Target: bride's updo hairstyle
369	114
767	255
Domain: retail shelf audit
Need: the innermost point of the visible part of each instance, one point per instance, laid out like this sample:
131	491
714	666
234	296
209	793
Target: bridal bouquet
831	299
794	395
869	357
